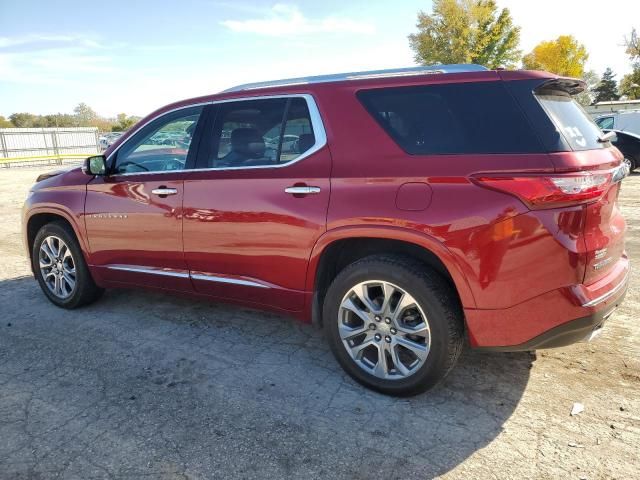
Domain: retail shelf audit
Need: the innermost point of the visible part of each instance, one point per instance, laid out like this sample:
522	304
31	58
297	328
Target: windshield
571	120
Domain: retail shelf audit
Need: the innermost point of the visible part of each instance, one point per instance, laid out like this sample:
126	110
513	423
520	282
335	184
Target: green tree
585	98
630	84
40	121
563	56
607	89
124	122
466	31
85	115
60	120
23	120
633	45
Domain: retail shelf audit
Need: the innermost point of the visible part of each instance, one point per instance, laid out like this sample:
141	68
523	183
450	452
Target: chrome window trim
316	124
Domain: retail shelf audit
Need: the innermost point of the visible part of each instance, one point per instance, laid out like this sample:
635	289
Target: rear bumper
558	318
578	330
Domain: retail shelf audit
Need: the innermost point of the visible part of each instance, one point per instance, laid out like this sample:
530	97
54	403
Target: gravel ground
142	385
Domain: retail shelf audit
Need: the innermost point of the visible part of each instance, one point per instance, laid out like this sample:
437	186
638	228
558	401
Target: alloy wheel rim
57	267
384	330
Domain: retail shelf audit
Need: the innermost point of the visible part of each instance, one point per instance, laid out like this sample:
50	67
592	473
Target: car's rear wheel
630	163
393	324
60	268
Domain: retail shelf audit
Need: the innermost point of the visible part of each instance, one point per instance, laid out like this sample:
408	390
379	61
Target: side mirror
96	165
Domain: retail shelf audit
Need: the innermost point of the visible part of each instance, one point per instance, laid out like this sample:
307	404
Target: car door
258	201
134	215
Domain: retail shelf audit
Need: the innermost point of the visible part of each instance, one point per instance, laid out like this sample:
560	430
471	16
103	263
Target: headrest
305	142
247	142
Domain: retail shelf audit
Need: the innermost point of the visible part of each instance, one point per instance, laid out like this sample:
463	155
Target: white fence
29	146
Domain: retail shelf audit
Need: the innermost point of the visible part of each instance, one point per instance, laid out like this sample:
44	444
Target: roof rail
338	77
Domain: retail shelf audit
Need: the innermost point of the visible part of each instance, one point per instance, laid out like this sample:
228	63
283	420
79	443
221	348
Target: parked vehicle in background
493	216
624	121
108	139
629	144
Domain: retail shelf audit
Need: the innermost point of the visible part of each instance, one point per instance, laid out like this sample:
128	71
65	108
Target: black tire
85	290
435	297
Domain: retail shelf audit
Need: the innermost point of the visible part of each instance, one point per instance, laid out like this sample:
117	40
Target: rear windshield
456	118
577	127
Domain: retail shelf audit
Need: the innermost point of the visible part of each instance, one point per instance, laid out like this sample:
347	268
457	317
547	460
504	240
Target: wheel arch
342	246
39	217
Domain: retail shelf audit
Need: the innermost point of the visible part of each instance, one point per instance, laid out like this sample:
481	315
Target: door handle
302	190
164	191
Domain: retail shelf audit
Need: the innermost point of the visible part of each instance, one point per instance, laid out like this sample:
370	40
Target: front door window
161	146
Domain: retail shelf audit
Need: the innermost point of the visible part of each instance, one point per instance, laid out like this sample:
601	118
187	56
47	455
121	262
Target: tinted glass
298	134
577	127
261	133
452	119
605	122
161	146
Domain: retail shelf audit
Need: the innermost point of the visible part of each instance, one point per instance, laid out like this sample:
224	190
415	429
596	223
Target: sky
134	56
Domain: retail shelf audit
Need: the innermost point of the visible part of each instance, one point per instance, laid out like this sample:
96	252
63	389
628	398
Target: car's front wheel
60	268
393	324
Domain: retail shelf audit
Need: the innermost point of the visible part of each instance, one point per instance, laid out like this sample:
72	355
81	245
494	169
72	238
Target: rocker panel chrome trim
220	279
149	270
184	274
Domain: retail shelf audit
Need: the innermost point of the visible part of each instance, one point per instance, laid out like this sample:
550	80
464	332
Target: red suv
398	209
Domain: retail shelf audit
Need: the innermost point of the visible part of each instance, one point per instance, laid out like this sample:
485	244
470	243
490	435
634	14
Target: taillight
550	191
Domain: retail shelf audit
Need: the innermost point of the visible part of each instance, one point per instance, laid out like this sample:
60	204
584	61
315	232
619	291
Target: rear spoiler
572	86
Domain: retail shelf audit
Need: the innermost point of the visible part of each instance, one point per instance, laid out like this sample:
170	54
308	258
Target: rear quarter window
577	127
459	118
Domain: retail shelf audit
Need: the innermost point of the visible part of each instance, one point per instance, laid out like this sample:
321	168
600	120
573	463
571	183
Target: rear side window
457	118
298	134
268	132
569	118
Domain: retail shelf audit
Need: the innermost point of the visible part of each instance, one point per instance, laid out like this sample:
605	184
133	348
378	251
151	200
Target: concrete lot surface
141	385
